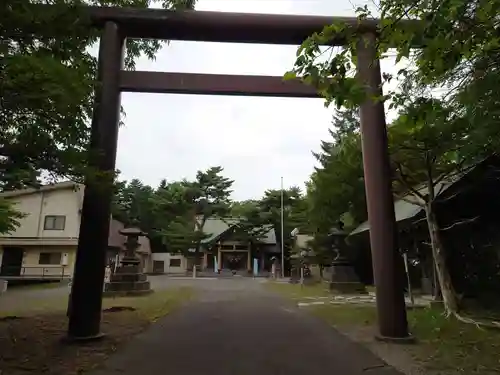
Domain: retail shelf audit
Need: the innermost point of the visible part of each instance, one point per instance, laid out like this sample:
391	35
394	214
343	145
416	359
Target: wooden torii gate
117	24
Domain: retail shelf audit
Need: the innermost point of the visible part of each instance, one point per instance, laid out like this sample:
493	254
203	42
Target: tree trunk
444	278
436	288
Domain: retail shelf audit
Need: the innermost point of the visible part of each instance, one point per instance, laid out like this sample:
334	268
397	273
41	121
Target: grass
153	306
31	343
38	286
444	346
296	291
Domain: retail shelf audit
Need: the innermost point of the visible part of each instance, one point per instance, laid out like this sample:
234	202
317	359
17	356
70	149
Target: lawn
444	346
30	340
38	285
296	291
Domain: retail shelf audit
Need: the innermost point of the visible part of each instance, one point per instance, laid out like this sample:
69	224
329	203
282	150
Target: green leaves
328	71
48	74
337	187
168	213
289	75
9	216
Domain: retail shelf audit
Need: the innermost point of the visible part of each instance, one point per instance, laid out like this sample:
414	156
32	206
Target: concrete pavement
236	327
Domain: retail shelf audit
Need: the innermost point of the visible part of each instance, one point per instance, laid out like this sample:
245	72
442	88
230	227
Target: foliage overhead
48	75
9	217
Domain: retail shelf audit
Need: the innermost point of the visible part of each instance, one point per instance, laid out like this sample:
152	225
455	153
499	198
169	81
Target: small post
408	280
194	271
391	307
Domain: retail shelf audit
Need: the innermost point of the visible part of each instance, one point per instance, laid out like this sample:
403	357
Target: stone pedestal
344	279
128	280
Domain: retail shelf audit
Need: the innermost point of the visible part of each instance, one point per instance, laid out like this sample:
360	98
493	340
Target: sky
256	140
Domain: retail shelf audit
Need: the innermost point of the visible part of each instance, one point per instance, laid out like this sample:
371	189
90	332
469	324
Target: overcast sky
255	140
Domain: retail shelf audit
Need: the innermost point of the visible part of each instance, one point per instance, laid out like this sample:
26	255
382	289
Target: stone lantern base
127	281
344	279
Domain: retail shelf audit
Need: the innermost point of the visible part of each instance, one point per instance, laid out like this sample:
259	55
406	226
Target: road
237	327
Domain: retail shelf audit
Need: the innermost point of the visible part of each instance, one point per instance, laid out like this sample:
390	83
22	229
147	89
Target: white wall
65	202
31	206
166	257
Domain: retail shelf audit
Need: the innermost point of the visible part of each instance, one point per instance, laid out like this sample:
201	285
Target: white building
44	245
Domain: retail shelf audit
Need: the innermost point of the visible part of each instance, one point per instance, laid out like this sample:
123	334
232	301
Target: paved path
236	328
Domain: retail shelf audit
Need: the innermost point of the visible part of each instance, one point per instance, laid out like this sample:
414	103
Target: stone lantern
343	277
128	278
131	245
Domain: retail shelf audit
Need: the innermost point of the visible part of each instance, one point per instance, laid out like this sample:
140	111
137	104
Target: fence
35	272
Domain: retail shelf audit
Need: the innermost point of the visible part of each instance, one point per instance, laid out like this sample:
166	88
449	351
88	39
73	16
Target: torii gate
117	24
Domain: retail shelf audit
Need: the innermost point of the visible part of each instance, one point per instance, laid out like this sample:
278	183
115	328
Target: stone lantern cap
136	232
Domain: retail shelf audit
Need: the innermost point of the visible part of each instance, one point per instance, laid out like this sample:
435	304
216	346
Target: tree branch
466	221
404	180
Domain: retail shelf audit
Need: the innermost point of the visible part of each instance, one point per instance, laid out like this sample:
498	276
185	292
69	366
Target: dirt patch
9	318
31	340
33	345
118	309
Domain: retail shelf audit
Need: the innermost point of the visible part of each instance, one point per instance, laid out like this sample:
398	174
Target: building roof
115	239
404	209
58	186
215	227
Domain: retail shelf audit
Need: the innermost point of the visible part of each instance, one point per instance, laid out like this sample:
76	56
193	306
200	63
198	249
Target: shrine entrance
234	261
117	24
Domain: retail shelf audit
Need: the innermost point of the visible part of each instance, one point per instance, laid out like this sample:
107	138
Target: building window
54	222
175	262
50	258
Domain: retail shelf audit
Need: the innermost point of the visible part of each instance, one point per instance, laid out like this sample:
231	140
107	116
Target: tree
424	145
337	187
212	193
48	76
458	57
9	217
240	209
179	237
134	205
458	47
252	225
174	214
294	214
174	210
